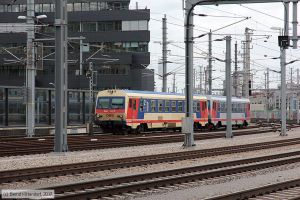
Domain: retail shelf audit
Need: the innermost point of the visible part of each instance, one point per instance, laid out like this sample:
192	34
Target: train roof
234	99
149	94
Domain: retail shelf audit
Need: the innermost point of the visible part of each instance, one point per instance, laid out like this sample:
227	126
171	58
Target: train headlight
120	116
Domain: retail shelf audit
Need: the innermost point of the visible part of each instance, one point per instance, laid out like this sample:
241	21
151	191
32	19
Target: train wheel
139	129
128	130
245	124
211	127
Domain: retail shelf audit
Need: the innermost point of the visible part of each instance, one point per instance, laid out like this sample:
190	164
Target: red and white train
129	110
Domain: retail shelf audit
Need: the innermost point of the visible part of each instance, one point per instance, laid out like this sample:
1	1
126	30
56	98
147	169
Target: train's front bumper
111	124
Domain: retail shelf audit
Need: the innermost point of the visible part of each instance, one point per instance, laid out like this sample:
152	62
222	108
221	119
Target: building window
102	6
85	7
77	6
125	6
70	7
110	26
93	6
15	8
118	25
114	70
46	7
7	8
89	26
74	27
134	25
38	7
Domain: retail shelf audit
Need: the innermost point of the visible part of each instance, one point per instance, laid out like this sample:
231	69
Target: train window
173	105
130	103
198	107
134	105
103	103
146	106
167	106
117	103
153	105
194	106
222	104
142	105
180	106
160	105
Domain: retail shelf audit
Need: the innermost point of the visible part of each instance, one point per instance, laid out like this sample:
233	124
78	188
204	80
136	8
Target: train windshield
103	103
111	103
117	103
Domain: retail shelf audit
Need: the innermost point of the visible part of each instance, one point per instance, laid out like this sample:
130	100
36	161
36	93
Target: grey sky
262	47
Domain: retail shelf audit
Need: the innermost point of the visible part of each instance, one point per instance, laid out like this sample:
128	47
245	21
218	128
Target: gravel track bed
223	185
48	182
29	161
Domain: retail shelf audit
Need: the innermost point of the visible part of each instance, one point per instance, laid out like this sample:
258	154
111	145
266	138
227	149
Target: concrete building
116	42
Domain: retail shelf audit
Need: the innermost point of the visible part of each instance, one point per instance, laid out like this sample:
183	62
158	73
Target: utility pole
295	24
201	75
297	99
268	94
80	57
164	53
283	71
205	80
210	63
188	121
61	75
235	70
228	88
291	97
246	62
90	75
30	70
174	82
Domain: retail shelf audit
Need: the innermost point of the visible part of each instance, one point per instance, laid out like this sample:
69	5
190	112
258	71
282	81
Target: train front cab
110	112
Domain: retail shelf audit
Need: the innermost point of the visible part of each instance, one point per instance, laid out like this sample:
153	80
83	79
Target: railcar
128	110
240	111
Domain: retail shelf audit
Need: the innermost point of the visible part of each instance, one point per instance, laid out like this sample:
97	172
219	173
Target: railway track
144	182
85	167
16	147
288	190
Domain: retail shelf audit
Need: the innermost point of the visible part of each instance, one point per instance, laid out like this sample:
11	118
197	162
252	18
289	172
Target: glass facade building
116	40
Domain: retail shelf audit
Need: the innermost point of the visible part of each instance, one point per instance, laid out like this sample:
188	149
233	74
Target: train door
247	111
214	111
133	108
204	111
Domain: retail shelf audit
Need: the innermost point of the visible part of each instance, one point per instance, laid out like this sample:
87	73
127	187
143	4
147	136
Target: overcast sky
263	17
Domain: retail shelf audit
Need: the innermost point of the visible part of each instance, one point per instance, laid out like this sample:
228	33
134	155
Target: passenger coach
128	110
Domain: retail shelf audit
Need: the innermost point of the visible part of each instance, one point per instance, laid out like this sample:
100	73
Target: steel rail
128	184
272	189
85	167
45	146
